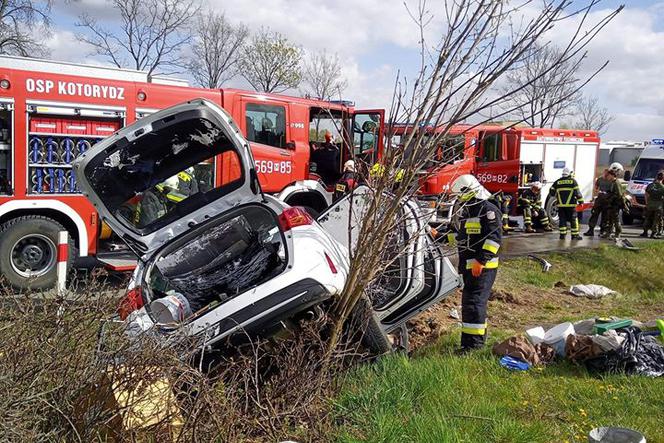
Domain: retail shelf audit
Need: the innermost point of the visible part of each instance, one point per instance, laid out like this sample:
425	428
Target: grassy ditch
434	396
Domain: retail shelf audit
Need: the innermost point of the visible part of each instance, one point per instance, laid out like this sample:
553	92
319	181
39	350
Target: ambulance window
266	124
492	148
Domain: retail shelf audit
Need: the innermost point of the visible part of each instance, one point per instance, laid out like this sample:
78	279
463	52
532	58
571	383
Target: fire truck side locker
6	147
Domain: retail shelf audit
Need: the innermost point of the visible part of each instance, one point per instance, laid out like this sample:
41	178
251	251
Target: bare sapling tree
216	49
23	25
149	37
482	42
590	114
322	76
537	97
271	63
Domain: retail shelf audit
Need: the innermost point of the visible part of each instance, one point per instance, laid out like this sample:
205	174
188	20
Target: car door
419	274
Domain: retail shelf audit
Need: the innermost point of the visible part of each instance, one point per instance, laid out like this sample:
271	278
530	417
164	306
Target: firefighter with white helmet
530	202
478	240
568	196
347	182
617	168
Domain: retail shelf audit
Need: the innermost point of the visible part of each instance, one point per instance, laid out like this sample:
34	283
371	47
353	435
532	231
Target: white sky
375	39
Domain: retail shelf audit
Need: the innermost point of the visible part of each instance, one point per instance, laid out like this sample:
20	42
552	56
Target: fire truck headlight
5	84
141	96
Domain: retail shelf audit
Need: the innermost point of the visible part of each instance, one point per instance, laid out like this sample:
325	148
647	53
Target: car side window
266	124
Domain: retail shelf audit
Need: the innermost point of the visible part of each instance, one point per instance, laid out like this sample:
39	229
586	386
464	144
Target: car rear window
166	173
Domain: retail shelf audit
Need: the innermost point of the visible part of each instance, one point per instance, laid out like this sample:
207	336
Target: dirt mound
427	327
505	297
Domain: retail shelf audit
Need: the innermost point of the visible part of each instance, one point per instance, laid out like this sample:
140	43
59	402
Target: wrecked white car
217	256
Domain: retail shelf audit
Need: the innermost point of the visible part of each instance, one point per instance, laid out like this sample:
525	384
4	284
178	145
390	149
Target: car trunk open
155	179
219	260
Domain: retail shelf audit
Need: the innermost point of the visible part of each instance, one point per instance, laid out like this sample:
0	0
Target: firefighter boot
577	237
529	229
589	233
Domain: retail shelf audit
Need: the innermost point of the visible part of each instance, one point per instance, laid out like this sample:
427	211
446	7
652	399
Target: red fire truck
507	159
51	112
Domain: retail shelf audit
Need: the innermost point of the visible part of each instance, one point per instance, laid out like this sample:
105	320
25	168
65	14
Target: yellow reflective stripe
473	328
340	187
451	239
473	226
491	264
491	246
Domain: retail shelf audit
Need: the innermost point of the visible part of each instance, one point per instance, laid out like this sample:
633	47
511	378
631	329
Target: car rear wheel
28	252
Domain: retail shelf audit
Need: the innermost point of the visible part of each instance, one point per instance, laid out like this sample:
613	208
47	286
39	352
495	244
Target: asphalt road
519	243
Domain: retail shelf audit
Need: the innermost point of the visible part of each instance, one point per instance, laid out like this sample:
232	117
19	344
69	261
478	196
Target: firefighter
567	193
530	202
616	202
654	206
326	158
347	182
600	206
478	241
502	201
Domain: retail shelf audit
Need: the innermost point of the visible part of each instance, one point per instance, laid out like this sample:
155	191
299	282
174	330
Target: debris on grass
591	291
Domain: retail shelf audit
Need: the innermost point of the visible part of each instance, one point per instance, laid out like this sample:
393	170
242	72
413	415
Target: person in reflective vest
478	241
530	202
654	205
568	196
347	182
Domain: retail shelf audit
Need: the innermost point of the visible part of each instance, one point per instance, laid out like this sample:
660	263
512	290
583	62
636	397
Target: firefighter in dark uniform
530	202
600	205
566	190
478	240
347	182
502	202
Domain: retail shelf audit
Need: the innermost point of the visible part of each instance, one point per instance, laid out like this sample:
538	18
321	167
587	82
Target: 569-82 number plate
273	167
487	177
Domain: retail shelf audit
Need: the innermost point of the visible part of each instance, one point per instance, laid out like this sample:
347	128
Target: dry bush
57	381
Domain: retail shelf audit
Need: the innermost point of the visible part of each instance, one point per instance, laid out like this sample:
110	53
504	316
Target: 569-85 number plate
273	167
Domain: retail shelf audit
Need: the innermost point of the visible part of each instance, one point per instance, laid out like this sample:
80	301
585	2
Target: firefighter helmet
566	172
467	186
537	185
616	167
349	165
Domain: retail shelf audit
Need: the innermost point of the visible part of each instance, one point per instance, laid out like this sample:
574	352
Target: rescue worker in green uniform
502	201
600	205
568	196
654	206
530	202
616	203
478	240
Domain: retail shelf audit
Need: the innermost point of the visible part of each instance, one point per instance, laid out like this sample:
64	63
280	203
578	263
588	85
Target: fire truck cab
508	159
52	112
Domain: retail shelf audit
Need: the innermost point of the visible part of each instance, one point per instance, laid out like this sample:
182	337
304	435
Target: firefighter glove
476	270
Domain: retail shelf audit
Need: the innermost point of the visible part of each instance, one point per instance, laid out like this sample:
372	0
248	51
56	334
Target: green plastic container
601	328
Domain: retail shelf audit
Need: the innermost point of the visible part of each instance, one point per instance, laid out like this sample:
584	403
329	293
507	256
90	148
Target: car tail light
292	217
132	302
330	263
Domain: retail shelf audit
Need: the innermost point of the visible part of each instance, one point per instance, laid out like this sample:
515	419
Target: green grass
435	396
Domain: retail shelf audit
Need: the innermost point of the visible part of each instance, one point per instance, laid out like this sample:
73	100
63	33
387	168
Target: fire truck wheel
552	209
28	251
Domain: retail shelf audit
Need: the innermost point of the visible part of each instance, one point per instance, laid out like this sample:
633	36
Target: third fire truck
508	159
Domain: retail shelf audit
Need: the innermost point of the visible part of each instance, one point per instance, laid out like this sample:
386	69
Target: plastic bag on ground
609	341
591	291
639	355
